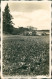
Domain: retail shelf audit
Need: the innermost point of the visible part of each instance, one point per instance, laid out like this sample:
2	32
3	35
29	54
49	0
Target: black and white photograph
26	35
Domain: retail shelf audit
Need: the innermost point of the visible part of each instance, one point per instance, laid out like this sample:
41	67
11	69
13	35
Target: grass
25	55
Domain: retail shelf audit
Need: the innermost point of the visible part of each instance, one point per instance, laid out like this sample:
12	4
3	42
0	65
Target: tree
31	28
7	21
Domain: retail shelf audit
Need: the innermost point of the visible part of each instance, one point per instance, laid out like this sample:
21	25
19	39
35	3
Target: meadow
25	55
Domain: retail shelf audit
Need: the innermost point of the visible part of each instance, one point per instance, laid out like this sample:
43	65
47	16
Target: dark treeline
24	31
19	30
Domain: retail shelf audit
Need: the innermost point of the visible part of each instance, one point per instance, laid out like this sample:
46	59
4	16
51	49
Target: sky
30	13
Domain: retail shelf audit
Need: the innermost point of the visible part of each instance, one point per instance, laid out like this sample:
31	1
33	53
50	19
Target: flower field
25	55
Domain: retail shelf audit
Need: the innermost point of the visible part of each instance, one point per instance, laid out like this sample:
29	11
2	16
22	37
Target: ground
25	55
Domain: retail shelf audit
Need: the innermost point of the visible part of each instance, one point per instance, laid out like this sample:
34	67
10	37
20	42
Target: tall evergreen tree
7	21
